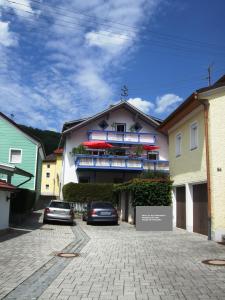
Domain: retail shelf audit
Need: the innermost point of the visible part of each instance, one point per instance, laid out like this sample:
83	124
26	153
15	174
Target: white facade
4	209
84	132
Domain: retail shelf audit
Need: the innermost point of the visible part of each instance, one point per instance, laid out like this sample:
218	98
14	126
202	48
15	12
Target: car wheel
88	223
44	221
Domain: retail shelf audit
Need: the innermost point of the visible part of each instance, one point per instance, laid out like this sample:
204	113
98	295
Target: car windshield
102	205
60	205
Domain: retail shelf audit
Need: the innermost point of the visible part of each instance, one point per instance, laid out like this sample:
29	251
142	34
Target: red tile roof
59	151
6	186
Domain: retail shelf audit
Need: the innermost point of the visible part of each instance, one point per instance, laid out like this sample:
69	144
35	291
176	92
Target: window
153	155
15	156
47	186
178	144
47	174
136	127
103	124
194	136
121	127
48	166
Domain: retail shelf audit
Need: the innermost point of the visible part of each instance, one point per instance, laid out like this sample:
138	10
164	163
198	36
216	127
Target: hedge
84	192
148	192
22	201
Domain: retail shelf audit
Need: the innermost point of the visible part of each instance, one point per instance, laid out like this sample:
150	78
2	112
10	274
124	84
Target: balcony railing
122	137
109	162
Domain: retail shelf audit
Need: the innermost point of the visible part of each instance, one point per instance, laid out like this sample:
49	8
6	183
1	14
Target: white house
6	188
127	130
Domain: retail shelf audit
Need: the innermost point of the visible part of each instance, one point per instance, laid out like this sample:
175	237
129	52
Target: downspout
24	181
205	103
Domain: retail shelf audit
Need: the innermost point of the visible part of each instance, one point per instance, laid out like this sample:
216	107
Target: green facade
12	137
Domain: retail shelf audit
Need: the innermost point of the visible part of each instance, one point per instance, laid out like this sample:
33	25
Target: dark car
103	212
58	211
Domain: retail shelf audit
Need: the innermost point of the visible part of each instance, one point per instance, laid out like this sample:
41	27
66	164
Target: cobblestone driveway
116	263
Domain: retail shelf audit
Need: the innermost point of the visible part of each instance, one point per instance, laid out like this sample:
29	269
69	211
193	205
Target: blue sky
63	60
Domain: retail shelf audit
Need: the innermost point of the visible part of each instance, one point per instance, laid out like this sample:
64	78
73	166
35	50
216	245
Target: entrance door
181	207
126	207
200	208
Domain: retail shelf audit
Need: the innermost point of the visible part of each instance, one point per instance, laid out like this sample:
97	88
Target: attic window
137	126
103	124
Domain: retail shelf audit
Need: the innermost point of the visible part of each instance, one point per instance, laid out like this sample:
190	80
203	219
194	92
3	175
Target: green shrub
22	201
151	192
85	192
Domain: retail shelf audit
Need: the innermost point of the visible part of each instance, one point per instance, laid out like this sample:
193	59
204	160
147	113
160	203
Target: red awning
97	145
150	148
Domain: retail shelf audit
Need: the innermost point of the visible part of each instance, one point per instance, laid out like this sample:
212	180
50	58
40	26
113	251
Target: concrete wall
130	208
4	210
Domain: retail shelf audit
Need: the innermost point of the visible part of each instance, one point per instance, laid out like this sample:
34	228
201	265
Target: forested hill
50	139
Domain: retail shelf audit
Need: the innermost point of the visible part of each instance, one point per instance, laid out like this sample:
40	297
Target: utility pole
124	93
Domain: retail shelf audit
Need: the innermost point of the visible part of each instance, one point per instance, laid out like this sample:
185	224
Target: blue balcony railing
122	137
109	162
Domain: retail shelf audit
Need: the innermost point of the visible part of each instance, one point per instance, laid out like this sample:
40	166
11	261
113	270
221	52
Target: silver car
58	211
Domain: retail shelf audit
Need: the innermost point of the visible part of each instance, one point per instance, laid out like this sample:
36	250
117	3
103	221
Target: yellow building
51	172
196	132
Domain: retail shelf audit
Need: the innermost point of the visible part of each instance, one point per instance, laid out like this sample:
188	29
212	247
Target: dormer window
103	124
136	127
121	127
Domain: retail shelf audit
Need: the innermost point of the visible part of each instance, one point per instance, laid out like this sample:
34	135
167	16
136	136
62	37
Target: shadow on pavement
12	233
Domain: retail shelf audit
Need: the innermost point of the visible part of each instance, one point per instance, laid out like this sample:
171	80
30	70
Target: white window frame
176	145
47	187
48	166
21	157
194	124
49	174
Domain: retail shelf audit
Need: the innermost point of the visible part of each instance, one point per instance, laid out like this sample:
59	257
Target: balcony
126	163
122	137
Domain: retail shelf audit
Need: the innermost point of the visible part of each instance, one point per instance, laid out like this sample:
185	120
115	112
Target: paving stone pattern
116	263
121	263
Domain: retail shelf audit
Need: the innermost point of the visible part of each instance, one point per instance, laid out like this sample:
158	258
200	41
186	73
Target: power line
77	12
118	36
124	36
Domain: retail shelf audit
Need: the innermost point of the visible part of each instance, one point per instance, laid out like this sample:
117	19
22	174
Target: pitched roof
59	151
6	186
50	157
188	105
219	83
37	140
153	121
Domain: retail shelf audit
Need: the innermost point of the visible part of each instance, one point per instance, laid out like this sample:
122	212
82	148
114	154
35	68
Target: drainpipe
205	103
24	182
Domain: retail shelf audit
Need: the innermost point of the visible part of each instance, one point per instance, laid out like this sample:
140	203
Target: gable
106	113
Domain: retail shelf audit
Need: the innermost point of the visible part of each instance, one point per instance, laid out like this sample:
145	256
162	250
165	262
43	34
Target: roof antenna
209	77
124	93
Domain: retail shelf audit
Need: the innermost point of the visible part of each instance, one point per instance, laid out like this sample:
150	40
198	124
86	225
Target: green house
22	150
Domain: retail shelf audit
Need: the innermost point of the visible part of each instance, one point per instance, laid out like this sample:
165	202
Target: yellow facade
190	166
51	172
217	159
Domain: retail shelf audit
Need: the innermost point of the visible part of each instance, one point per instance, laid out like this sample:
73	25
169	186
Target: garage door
200	208
181	207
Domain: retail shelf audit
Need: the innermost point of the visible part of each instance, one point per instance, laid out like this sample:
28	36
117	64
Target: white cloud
7	38
72	69
141	104
110	42
20	7
166	103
